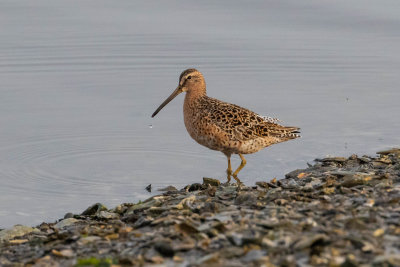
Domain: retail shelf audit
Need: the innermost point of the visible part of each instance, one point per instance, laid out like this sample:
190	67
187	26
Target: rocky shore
337	212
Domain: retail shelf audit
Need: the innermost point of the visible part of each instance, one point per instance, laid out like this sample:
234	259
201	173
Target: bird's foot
238	182
228	182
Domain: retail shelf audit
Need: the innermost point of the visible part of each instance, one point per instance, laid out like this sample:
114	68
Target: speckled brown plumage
225	127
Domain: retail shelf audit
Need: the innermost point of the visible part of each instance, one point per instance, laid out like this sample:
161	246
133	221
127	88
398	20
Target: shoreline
337	212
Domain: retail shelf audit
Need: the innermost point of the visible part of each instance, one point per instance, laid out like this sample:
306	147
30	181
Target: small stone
107	215
387	260
378	232
46	261
65	223
247	198
394	151
211	181
335	159
177	259
88	239
262	184
351	181
293	174
195	187
168	188
186	228
236	239
157	259
66	253
186	203
367	247
148	188
308	241
289	184
112	236
18	241
267	243
16	231
209	259
253	255
164	248
364	159
329	190
302	175
68	215
95	208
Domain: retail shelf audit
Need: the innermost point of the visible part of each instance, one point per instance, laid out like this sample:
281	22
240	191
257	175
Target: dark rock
195	187
246	199
95	208
394	151
211	181
164	248
148	188
168	188
262	184
338	212
68	215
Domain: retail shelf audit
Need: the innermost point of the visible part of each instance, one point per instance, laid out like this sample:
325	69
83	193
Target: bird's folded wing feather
245	124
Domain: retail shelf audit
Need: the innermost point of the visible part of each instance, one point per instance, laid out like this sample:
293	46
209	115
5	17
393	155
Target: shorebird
225	127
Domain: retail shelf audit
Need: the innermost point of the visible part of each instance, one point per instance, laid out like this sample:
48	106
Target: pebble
338	212
16	231
64	223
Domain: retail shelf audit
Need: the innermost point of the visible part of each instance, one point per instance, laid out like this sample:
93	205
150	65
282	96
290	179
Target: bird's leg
229	170
242	164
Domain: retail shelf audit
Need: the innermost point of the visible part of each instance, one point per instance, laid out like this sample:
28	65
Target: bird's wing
245	124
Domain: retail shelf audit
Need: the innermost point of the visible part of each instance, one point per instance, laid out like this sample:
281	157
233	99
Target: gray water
80	79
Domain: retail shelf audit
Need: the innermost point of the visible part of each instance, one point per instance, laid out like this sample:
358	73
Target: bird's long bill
177	91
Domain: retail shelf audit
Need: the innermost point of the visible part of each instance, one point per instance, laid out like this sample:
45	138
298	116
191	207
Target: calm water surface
80	79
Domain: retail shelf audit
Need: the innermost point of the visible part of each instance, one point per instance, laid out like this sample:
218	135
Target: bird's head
191	81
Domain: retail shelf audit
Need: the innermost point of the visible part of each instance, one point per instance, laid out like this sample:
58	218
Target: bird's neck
195	93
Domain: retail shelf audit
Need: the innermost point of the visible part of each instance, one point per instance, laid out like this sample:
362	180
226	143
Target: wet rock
394	151
334	159
68	215
186	203
164	248
88	239
337	212
168	188
195	187
66	222
211	181
155	201
92	210
148	188
308	241
66	253
387	260
247	198
262	184
212	258
253	255
294	174
289	184
16	231
107	215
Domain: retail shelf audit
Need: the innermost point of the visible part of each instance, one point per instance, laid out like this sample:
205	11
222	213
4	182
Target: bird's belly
251	146
204	137
206	134
214	138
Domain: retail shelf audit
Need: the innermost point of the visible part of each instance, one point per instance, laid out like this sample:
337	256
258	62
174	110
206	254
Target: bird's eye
189	77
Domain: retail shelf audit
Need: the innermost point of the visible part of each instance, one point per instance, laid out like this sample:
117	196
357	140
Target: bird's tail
291	133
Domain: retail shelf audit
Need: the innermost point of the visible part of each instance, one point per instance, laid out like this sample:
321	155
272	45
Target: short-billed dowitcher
223	126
